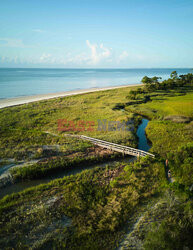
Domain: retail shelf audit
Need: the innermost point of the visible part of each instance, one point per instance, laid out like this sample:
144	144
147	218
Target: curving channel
143	142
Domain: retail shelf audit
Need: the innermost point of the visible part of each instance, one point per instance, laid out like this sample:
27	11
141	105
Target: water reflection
143	143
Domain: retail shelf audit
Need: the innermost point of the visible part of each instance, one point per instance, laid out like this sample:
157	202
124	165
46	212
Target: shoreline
10	102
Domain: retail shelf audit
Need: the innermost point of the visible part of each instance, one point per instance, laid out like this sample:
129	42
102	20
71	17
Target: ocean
17	82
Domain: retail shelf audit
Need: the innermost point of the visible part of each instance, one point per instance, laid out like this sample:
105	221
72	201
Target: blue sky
96	33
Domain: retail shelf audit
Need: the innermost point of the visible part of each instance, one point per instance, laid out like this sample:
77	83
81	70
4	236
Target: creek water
20	186
143	142
17	187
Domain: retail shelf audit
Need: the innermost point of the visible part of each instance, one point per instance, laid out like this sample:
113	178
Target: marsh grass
25	126
96	207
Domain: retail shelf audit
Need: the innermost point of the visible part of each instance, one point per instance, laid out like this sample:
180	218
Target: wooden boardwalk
118	148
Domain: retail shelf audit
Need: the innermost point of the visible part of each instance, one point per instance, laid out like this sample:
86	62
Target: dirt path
138	228
170	178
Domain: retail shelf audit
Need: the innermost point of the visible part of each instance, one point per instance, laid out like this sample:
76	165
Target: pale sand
27	99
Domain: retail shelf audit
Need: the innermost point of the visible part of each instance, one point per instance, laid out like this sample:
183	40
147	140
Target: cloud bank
94	54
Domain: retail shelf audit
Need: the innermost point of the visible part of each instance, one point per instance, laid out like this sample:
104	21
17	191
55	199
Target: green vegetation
42	169
98	201
94	209
181	163
171	115
175	231
173	82
169	104
23	129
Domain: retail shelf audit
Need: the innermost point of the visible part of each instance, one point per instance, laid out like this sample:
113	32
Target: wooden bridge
116	147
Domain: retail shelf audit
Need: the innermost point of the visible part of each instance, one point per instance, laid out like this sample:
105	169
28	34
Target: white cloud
106	52
78	59
98	55
5	59
94	55
67	59
98	52
8	59
123	56
9	42
45	58
13	43
38	30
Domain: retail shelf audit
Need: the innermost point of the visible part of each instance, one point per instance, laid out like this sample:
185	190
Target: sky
96	33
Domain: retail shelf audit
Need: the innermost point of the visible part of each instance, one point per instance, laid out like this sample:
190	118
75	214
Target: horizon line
95	68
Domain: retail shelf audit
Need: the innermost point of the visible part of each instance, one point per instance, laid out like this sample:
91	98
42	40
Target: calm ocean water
26	82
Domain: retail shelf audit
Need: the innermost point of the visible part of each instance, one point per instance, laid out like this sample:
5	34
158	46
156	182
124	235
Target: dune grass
24	128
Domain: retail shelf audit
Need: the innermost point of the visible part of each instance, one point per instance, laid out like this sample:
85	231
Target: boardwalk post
138	156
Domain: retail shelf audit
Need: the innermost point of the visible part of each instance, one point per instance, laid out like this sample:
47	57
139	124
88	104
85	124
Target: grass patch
167	136
97	202
173	105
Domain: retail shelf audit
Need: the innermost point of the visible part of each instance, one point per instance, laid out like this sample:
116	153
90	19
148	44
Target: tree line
155	83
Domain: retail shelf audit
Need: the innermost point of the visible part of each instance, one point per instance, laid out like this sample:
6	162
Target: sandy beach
28	99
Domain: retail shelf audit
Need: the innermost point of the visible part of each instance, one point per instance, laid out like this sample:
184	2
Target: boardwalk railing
117	147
